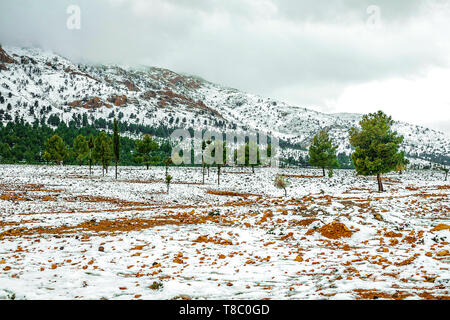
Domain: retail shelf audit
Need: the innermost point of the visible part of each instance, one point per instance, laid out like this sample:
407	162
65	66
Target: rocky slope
36	84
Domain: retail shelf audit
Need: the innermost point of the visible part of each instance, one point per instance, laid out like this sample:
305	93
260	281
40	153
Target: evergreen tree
168	181
204	145
376	146
103	151
220	148
145	149
55	150
168	163
116	144
251	153
322	153
80	148
91	145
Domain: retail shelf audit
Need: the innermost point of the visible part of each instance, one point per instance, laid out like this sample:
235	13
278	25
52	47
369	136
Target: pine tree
91	148
103	151
144	150
204	146
251	153
322	153
55	150
221	148
168	163
80	148
168	181
116	144
376	146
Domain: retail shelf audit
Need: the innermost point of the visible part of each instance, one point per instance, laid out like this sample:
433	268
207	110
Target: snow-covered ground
65	235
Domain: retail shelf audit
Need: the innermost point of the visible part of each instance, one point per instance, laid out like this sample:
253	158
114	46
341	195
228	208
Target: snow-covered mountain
35	83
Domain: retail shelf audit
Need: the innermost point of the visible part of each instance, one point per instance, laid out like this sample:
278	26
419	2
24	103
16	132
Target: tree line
375	148
37	143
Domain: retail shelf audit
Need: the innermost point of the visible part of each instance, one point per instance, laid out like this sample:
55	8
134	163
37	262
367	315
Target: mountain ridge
37	83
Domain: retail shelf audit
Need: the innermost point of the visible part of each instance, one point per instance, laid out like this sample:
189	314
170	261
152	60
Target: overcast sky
331	56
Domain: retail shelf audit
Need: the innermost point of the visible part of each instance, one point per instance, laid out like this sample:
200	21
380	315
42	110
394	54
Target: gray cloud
300	51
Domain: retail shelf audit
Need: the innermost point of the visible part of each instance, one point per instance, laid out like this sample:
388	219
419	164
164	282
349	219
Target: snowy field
65	235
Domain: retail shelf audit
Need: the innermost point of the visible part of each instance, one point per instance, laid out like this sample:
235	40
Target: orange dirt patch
119	202
215	240
429	296
405	262
374	294
231	194
11	197
440	227
115	226
335	230
392	234
304	222
300	176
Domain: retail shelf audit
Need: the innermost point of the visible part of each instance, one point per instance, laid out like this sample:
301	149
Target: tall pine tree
376	146
145	149
103	151
55	150
116	144
322	153
91	149
80	148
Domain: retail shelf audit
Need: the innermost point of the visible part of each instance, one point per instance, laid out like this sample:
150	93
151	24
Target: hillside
35	84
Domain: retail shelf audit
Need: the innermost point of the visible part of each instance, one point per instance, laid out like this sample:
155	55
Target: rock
5	58
92	103
379	217
118	101
130	85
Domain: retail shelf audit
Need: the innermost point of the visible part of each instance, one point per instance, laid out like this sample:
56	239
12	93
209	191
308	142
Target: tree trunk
203	173
380	183
323	170
253	169
116	170
218	175
285	192
147	166
167	188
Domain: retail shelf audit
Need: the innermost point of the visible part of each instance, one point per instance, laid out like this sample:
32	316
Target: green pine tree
247	150
91	145
80	148
55	150
168	181
145	149
116	145
103	151
322	153
219	147
376	146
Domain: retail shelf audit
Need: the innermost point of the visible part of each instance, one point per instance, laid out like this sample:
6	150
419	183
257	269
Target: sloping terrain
36	84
